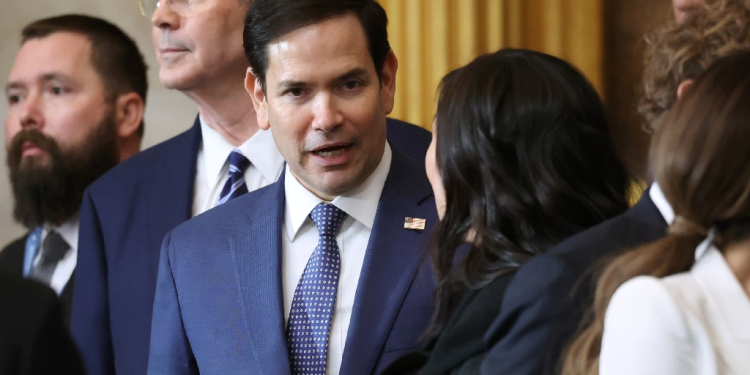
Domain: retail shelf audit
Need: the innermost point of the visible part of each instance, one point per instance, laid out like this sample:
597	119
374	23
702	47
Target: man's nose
31	116
327	113
164	17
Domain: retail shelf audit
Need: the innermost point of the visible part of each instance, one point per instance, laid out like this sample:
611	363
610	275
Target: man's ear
129	110
684	87
388	81
254	88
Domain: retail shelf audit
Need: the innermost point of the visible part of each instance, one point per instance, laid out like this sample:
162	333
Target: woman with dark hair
681	305
521	158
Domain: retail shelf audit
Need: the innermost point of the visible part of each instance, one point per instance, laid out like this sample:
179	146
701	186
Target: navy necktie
53	249
235	185
315	297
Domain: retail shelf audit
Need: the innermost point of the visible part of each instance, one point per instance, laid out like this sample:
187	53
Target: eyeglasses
148	7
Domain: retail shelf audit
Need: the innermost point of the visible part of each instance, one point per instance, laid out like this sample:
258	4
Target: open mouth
334	150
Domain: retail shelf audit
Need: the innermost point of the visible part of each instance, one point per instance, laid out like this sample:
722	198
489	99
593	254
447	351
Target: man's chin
36	163
176	79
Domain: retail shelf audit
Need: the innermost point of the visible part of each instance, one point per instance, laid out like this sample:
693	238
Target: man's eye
13	99
56	90
296	92
351	85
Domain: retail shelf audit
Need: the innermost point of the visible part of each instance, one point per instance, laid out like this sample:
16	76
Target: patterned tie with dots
235	185
315	296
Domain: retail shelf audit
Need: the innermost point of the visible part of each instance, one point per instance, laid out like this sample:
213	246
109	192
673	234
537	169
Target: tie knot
238	162
327	218
54	247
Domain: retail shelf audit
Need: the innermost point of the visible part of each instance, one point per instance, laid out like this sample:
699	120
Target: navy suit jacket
544	304
219	303
124	218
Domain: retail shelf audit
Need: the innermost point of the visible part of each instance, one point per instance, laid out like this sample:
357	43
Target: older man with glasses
127	213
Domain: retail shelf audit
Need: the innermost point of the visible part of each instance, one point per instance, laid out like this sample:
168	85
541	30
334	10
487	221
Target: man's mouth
332	150
30	149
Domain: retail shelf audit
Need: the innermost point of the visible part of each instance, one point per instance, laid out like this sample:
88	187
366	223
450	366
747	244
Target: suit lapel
256	256
392	259
170	188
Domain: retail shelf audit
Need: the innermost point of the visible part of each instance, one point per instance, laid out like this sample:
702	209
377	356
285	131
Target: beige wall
167	113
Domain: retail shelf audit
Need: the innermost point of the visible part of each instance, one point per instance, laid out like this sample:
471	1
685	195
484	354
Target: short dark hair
114	55
268	20
526	159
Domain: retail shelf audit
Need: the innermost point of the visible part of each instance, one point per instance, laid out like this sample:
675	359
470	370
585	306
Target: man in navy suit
324	271
126	214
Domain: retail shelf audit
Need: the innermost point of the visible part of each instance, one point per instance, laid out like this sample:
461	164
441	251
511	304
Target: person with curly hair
681	305
545	303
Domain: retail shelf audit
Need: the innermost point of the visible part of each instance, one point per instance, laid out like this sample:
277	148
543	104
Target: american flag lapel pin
414	223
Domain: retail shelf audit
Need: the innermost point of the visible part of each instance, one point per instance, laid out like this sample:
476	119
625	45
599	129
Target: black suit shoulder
33	339
546	300
459	348
11	257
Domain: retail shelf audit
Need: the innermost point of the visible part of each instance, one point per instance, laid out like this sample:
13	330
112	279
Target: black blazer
11	261
459	348
32	337
545	302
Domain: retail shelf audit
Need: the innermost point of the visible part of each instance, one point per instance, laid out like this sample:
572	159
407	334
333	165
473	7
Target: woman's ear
683	87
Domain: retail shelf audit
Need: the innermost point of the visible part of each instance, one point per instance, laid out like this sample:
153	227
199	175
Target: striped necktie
235	185
315	297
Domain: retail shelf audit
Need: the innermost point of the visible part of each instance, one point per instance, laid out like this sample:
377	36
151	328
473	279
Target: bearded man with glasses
127	213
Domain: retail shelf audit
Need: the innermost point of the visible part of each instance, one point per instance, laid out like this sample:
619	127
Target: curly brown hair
682	51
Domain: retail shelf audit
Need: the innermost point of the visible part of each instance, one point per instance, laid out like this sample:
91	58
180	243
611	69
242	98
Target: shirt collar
360	203
724	291
657	196
68	230
260	149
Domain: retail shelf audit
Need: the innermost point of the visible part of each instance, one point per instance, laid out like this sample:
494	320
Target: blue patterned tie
315	296
235	185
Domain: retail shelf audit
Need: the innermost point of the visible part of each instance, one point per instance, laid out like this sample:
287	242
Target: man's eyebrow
13	86
43	78
354	73
290	83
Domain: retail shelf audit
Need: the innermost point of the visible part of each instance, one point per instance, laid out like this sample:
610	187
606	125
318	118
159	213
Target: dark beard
49	188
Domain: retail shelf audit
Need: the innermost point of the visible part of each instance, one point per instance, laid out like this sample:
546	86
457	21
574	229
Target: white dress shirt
65	267
212	169
666	210
301	237
696	322
661	203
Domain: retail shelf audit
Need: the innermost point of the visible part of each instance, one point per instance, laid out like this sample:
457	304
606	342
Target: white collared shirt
300	236
65	267
212	169
695	322
657	196
666	210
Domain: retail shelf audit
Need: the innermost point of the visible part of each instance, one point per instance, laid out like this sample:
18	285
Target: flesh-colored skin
682	7
325	105
738	258
200	54
433	174
53	88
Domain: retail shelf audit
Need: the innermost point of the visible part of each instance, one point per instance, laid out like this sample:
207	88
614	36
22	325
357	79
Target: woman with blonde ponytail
681	305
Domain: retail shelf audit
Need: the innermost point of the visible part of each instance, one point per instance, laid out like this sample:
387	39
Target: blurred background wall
603	38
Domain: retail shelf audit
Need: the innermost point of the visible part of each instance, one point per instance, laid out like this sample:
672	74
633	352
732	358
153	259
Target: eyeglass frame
171	3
